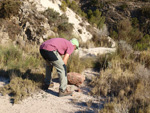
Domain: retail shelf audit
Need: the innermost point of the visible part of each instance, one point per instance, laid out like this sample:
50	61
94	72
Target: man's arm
66	57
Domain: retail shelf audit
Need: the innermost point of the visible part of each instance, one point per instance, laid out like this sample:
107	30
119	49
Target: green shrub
135	22
66	35
19	89
63	6
12	58
95	17
66	27
59	22
143	44
53	16
23	69
114	34
73	6
68	2
10	54
124	6
9	8
82	13
145	11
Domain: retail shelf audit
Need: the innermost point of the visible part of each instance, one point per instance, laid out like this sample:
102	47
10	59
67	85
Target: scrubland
124	77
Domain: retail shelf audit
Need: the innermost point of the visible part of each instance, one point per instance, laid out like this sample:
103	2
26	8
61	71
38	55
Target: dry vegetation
13	58
24	68
9	8
124	76
58	23
125	83
76	64
17	92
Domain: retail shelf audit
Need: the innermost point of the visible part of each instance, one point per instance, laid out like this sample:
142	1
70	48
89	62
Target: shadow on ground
52	92
36	77
92	108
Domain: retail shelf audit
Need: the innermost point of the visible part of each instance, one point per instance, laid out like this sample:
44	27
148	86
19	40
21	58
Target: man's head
75	42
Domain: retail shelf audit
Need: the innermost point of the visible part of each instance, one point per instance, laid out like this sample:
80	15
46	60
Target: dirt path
49	102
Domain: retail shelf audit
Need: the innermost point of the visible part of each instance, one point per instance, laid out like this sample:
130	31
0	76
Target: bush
12	58
66	27
103	61
114	35
143	44
127	33
76	64
95	17
20	67
124	81
52	16
100	41
123	7
124	49
59	22
9	54
83	14
144	58
73	6
63	6
135	22
87	44
145	11
19	89
11	28
9	8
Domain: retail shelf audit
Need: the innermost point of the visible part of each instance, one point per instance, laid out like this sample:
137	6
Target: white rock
93	52
41	41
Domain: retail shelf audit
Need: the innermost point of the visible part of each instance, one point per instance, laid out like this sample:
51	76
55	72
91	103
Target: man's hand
66	57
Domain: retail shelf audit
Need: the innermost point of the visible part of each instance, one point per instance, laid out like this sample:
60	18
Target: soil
49	102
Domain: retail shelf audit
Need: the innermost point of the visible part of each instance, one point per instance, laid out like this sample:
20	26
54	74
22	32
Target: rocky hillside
134	11
33	21
32	25
123	78
126	20
115	11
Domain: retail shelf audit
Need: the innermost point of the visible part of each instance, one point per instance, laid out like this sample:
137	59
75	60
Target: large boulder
75	78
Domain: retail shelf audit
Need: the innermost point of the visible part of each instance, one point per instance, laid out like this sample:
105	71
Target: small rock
75	78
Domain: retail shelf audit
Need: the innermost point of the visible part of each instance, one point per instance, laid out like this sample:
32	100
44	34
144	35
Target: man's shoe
64	93
46	86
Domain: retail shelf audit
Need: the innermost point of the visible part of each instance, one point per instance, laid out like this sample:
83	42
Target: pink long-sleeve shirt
61	45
